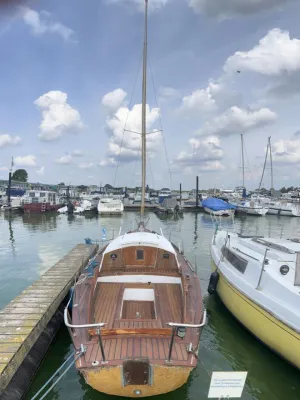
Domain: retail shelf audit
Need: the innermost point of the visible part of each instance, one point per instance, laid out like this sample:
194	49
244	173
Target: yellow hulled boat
258	281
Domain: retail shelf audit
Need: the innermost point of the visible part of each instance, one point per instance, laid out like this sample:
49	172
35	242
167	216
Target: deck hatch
138	304
136	372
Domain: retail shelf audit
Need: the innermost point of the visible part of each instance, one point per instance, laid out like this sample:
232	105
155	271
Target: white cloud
204	156
125	146
6	140
201	101
42	23
108	162
236	121
286	151
224	9
86	165
168	94
64	160
113	100
276	53
58	116
3	169
140	4
77	153
41	171
26	161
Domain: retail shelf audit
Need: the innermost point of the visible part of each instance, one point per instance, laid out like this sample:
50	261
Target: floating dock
29	322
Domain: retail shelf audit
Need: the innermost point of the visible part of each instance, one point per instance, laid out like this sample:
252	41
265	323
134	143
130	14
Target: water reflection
31	243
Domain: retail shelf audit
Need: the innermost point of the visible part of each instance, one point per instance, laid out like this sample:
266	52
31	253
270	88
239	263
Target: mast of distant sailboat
243	160
268	151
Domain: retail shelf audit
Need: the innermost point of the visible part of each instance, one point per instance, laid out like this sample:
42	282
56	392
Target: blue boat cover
217	204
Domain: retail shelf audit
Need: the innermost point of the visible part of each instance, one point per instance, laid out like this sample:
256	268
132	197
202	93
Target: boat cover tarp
217	204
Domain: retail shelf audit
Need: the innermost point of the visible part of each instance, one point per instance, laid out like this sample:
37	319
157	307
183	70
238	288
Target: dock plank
23	320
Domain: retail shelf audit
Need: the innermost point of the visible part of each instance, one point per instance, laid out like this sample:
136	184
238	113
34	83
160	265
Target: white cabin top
140	239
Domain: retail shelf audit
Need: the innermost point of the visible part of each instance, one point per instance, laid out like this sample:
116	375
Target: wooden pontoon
137	317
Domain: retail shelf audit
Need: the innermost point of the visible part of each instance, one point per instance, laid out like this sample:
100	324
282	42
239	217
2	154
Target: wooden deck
102	302
108	305
24	319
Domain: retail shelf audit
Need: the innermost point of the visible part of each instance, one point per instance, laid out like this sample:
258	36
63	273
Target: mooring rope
59	378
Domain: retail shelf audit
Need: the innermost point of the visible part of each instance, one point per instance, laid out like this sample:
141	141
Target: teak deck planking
102	302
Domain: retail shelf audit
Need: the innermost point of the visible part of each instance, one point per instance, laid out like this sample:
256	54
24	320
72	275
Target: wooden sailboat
136	320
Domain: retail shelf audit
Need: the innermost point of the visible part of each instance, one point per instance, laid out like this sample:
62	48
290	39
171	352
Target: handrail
190	325
67	323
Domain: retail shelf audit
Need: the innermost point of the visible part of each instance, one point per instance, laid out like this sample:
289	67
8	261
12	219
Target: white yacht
283	207
110	206
165	193
251	207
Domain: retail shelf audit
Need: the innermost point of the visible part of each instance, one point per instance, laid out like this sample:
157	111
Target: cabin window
140	255
236	261
42	194
31	194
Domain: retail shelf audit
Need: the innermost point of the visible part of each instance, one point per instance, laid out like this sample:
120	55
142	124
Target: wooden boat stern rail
175	327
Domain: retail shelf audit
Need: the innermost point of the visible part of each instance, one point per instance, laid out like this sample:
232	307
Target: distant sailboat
277	206
249	206
136	320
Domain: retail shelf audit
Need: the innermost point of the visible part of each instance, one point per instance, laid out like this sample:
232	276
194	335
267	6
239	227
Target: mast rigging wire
160	122
127	116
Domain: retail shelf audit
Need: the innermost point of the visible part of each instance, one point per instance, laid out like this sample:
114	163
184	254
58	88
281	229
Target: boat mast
262	176
243	161
144	101
270	149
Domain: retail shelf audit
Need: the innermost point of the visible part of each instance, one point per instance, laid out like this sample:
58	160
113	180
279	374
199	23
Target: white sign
227	385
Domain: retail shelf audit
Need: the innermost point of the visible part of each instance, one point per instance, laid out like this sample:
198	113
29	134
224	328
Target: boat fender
213	282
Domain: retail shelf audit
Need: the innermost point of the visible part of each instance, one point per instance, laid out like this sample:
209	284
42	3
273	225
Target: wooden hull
109	380
40	207
271	331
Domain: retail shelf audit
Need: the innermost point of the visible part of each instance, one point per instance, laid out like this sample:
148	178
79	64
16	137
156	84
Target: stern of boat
136	378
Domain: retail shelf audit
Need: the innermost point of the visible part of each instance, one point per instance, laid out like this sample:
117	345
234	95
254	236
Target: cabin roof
140	239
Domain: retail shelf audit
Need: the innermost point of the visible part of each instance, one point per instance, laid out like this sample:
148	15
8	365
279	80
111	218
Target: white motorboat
258	280
251	207
219	213
282	207
165	193
110	206
218	207
15	204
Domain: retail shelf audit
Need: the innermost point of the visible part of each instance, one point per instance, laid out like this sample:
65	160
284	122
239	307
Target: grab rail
176	325
67	323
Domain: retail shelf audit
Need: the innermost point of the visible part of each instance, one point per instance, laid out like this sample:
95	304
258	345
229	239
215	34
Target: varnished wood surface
131	331
140	309
102	302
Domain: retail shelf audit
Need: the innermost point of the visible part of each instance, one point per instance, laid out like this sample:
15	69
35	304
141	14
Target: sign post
227	385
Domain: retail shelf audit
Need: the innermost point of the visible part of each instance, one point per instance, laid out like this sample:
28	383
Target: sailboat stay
136	319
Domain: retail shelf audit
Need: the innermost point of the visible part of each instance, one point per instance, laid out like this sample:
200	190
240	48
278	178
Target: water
30	244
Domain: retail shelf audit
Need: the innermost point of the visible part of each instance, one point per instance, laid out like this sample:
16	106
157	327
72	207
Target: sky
71	79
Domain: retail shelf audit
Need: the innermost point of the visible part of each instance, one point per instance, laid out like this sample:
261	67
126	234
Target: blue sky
68	70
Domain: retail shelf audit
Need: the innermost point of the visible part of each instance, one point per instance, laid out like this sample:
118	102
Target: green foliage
20	175
82	188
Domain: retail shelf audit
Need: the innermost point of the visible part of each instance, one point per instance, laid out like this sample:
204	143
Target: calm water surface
30	244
